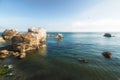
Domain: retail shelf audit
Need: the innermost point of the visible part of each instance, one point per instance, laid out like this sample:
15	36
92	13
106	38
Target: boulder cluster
34	39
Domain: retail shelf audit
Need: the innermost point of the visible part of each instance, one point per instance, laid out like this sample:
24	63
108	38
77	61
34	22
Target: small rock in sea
83	60
10	66
10	74
16	54
3	56
23	55
107	54
107	35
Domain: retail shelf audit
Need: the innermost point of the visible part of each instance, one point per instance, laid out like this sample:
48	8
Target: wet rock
23	55
10	66
3	54
107	35
15	54
6	52
8	34
107	54
59	36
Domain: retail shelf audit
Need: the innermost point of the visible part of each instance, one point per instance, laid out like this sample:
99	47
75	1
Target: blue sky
61	15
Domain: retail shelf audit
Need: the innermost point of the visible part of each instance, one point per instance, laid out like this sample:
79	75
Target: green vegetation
3	71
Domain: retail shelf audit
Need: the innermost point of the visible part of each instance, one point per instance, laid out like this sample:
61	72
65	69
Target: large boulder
9	34
107	35
33	39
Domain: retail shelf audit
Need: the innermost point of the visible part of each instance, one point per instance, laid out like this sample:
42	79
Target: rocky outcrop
107	35
9	34
4	53
107	54
31	40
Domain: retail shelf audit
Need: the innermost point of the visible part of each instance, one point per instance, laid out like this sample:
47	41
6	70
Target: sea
61	59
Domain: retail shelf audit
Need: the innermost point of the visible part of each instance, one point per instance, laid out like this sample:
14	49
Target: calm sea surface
60	60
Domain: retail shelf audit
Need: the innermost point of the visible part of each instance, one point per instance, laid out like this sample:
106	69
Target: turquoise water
60	60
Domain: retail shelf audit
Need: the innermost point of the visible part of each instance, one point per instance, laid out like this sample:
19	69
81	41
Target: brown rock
16	54
8	34
107	54
6	52
22	55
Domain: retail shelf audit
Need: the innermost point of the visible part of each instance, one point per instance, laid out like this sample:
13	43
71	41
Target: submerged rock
107	54
107	35
9	34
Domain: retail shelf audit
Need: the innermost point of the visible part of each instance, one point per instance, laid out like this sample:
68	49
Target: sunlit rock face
9	34
40	33
33	39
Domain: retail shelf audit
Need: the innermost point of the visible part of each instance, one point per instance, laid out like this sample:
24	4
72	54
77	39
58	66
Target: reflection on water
42	51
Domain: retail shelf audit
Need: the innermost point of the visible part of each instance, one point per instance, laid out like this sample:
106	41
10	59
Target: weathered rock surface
20	43
107	35
107	54
8	34
4	53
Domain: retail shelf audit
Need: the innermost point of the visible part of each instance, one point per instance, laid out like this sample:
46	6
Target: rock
3	56
10	66
6	52
16	54
2	40
23	55
3	53
10	74
59	36
22	42
43	46
107	54
107	35
8	34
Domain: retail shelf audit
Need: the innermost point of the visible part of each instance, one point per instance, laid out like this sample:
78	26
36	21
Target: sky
61	15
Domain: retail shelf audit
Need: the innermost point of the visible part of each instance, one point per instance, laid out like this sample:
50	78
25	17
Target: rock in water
23	55
107	54
3	54
35	38
59	36
107	35
6	52
8	34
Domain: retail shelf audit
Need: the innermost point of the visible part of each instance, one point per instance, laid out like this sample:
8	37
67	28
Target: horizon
61	15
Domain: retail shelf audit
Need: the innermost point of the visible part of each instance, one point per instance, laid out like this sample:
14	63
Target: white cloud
104	16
